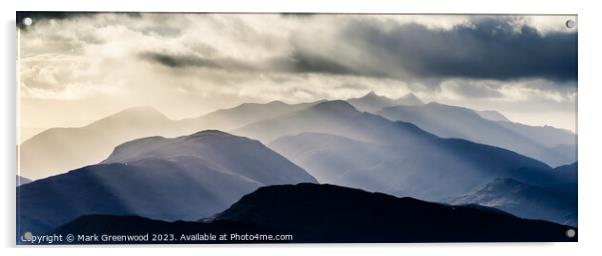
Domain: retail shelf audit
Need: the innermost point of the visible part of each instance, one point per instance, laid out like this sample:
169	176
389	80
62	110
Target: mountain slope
326	213
211	171
432	171
372	102
409	161
57	150
492	115
241	115
335	117
239	155
314	213
524	200
457	122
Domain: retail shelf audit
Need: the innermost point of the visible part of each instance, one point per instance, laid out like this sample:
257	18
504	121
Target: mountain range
137	163
332	214
340	145
525	200
57	150
542	143
40	156
372	102
183	178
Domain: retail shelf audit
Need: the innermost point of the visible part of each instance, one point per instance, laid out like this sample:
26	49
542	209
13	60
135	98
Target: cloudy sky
76	68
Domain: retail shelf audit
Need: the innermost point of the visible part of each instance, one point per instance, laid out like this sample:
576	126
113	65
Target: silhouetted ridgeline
331	214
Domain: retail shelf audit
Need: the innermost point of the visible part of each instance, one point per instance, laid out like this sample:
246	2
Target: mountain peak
140	110
373	95
135	113
335	106
209	133
277	102
370	94
410	99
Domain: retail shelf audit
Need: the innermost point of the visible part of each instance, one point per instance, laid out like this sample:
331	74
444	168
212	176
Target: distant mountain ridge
209	171
492	115
378	154
41	156
457	122
372	102
525	200
58	150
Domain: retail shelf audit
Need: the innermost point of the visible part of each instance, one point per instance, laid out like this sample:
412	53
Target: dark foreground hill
315	213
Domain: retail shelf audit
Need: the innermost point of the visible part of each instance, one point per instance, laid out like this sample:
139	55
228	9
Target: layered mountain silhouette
456	122
338	144
243	114
131	173
182	178
57	150
525	200
372	102
327	214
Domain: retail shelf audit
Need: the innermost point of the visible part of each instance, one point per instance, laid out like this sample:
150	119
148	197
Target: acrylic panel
295	128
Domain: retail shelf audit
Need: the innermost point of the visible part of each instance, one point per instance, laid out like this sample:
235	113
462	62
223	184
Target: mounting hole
570	24
27	236
570	233
27	21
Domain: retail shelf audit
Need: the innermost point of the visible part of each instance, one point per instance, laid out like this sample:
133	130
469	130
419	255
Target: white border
589	118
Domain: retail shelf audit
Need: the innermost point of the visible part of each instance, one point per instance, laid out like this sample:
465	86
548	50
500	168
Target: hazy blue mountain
525	200
241	115
234	154
457	122
335	117
372	102
57	150
565	177
409	170
546	135
209	171
374	153
332	214
22	180
492	115
568	172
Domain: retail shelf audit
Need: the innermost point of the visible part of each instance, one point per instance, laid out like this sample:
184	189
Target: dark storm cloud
298	61
490	49
185	61
307	62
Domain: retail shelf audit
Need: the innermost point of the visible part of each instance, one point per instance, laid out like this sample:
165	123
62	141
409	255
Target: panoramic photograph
188	128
